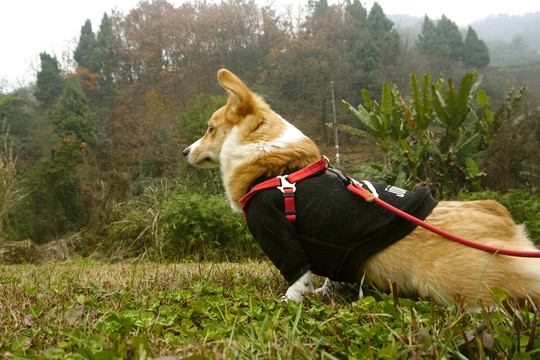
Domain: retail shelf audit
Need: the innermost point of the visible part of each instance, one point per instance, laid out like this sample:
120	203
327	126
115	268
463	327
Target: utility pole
335	121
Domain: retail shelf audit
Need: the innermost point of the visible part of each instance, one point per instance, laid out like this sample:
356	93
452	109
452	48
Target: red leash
366	195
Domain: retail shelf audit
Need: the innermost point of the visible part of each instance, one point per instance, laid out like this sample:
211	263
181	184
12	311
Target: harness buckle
346	180
285	184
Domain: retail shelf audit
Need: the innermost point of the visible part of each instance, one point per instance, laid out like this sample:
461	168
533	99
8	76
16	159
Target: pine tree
378	23
356	23
357	13
385	36
450	39
476	52
105	48
427	38
50	82
368	63
86	54
443	39
72	114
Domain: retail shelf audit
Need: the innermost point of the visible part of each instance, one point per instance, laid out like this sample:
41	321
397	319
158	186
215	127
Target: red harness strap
287	186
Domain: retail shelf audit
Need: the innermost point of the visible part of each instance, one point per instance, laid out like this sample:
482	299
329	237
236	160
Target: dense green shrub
166	222
203	226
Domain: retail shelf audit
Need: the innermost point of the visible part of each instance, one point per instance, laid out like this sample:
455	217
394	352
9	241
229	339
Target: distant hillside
513	40
493	28
503	28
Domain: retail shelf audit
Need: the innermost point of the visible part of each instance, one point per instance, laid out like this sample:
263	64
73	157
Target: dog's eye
210	129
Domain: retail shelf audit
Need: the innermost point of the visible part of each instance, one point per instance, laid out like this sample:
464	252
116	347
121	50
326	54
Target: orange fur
247	140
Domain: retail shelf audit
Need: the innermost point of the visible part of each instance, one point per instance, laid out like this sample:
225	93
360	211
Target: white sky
28	27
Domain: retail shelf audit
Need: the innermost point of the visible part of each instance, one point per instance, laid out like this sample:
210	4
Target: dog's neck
273	147
239	176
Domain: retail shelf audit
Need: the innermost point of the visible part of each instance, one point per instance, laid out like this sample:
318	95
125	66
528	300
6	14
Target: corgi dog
342	237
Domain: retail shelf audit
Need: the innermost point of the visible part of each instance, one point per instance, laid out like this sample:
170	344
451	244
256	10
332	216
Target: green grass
83	310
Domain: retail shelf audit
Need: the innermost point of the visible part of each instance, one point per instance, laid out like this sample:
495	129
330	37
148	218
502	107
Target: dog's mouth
207	162
204	162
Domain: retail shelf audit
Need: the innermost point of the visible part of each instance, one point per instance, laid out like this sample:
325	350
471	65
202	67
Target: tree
86	54
375	50
357	14
318	8
377	22
442	39
476	52
52	206
427	39
50	81
106	54
385	36
105	38
72	114
317	56
450	39
367	60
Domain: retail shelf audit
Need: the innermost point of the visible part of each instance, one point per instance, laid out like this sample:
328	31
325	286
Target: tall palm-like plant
436	137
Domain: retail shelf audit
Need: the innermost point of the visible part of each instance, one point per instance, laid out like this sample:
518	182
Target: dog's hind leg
302	286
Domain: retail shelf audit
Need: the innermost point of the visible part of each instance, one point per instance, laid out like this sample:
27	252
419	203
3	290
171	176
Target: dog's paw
328	288
302	286
292	296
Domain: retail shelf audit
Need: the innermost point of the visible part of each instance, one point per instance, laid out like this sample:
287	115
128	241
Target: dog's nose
186	152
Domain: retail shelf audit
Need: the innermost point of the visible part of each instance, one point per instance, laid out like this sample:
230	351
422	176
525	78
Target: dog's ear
241	100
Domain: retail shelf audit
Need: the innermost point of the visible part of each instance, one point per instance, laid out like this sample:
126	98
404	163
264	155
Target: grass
85	310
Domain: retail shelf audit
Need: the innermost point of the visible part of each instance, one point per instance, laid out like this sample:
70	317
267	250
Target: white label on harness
370	186
396	191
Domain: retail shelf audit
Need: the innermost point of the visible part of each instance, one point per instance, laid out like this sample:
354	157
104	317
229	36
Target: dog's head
246	139
241	104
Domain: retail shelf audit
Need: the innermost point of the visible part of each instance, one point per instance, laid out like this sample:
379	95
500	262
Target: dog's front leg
332	287
301	287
